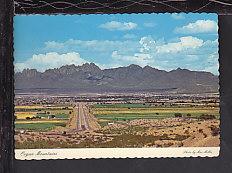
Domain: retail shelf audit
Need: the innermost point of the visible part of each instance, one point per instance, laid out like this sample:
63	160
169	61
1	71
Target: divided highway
82	121
85	121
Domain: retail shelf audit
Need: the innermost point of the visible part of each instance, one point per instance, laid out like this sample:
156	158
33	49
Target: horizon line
89	63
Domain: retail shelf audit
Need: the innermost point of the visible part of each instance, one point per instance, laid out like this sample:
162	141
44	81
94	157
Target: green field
131	116
60	116
124	112
41	118
121	105
38	126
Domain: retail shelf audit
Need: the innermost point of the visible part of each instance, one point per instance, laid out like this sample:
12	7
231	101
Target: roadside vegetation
41	118
121	125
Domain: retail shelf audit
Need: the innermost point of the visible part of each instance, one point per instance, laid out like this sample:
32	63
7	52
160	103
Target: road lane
83	121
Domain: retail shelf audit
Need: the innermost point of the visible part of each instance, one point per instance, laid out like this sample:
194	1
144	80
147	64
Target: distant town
208	99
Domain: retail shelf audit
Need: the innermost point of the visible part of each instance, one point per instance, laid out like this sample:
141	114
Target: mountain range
133	78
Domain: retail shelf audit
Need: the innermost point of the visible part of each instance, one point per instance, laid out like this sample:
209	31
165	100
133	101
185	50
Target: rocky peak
90	67
30	73
134	66
68	69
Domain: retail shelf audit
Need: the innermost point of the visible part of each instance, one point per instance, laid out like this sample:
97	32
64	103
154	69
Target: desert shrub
181	144
181	137
164	137
28	118
214	130
177	115
168	144
207	117
189	115
205	135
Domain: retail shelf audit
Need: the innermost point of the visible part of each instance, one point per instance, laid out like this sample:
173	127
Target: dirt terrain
170	132
199	133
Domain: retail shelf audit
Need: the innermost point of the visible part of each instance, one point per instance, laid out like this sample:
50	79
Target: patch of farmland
122	105
29	107
23	115
59	116
155	110
133	116
124	113
44	126
39	121
41	108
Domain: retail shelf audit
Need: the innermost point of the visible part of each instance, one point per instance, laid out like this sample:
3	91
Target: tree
207	117
178	115
38	117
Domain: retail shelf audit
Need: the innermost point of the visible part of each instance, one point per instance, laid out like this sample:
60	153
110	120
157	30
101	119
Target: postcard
116	86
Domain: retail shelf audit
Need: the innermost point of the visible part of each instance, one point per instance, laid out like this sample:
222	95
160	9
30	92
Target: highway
82	117
84	120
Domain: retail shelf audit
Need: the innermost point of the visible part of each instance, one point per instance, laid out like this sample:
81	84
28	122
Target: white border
97	153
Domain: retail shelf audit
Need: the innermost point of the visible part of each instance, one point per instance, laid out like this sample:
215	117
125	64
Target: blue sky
163	41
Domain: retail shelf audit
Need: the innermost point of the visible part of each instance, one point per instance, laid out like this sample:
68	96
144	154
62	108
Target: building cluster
149	99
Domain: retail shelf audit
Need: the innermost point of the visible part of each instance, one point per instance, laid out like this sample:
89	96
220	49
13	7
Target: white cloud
149	24
147	44
212	63
53	44
177	16
200	26
41	62
90	45
129	36
186	52
119	26
184	44
141	59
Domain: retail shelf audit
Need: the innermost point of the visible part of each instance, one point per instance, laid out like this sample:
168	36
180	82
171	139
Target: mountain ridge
90	78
